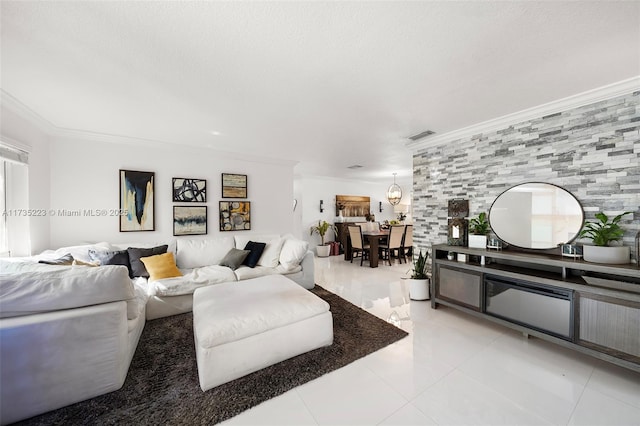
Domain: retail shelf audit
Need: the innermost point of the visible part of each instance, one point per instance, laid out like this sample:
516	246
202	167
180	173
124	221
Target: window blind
13	155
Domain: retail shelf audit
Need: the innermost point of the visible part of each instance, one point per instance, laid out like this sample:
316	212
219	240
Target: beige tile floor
452	369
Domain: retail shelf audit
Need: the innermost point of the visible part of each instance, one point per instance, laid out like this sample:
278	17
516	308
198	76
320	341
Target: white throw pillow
80	252
271	254
203	252
293	251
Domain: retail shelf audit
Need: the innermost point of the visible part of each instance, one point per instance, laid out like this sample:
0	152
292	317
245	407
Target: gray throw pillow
234	258
67	259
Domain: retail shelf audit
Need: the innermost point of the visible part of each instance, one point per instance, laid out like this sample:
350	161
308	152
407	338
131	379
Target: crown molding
10	102
599	94
60	133
86	136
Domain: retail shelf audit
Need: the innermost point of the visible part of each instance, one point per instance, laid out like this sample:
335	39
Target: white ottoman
241	327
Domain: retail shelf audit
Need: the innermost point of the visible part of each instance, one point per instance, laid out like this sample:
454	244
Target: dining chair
393	244
407	242
357	243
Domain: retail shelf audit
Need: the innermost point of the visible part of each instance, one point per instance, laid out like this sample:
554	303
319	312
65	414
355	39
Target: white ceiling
328	84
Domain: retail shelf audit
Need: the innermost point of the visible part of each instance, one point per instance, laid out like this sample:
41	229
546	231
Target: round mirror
536	216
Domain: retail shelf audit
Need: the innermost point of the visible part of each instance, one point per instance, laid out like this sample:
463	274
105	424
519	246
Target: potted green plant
602	232
321	229
419	280
478	230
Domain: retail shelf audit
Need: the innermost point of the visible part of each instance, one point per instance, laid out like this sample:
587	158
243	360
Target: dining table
373	238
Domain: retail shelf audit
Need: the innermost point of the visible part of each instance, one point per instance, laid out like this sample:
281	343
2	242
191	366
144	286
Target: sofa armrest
54	359
306	277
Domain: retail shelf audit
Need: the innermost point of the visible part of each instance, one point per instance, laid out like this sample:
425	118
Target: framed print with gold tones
234	186
353	205
235	215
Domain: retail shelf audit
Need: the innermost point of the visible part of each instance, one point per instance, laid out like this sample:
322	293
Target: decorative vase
419	289
616	255
340	217
478	241
324	250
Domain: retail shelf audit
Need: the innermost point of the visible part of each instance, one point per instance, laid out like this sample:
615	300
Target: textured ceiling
327	84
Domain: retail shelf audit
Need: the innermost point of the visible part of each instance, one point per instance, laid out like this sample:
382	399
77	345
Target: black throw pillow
256	251
135	253
118	257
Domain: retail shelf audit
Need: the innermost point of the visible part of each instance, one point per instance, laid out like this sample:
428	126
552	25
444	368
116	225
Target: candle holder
494	243
572	250
457	235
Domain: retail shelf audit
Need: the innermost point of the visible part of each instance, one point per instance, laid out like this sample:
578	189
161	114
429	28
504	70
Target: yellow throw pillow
161	266
83	263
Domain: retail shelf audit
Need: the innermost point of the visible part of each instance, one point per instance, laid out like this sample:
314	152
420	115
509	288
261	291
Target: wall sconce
321	206
380	206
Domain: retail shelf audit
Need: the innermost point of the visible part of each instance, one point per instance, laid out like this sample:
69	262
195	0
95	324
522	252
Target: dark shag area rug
162	383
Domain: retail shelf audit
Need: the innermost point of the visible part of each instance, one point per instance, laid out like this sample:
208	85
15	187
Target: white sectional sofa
199	261
68	332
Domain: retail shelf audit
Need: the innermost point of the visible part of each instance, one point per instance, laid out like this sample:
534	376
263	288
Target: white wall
85	175
74	172
310	190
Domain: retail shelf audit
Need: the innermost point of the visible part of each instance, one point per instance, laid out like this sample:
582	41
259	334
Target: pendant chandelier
394	193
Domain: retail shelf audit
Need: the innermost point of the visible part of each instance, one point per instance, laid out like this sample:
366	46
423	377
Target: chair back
396	233
355	234
366	226
408	236
362	225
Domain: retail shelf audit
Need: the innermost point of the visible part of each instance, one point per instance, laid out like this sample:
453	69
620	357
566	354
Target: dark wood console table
343	234
589	307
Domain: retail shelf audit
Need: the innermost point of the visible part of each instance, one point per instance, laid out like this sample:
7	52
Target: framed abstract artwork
234	186
189	190
458	208
189	220
235	215
137	199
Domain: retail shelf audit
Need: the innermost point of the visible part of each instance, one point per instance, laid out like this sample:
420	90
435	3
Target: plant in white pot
419	280
321	229
602	232
478	230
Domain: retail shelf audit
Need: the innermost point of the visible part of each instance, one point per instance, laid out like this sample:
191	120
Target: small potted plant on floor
478	230
321	229
602	232
420	280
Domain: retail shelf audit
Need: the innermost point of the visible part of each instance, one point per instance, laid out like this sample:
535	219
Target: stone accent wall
592	151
